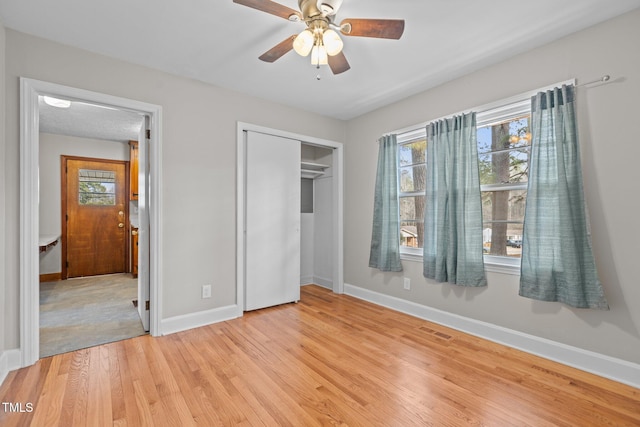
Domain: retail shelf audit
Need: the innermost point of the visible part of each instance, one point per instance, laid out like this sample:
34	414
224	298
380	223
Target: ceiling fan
320	38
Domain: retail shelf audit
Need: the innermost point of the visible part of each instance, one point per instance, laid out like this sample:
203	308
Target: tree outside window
96	188
504	168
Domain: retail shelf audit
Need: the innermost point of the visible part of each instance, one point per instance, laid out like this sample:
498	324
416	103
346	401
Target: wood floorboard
328	360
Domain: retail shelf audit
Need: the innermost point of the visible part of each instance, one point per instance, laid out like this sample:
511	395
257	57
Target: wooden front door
94	216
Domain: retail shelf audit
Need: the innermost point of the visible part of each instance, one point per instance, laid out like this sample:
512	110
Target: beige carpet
88	311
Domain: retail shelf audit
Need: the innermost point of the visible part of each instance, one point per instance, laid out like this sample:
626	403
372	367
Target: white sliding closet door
272	224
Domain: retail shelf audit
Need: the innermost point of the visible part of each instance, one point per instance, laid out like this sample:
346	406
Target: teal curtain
385	236
453	210
557	260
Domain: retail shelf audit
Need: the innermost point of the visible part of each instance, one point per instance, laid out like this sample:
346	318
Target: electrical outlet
407	283
206	291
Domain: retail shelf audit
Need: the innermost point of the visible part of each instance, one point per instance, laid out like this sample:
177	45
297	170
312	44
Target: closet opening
278	169
316	220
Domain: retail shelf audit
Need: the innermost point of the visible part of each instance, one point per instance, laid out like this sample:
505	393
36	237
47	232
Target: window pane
504	151
506	167
413	153
413	178
510	245
412	221
506	135
411	234
413	172
412	208
96	187
503	216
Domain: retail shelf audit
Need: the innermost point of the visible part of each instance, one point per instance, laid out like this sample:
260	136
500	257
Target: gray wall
610	153
199	164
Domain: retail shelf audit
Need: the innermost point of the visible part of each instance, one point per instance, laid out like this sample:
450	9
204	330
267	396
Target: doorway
30	91
94	216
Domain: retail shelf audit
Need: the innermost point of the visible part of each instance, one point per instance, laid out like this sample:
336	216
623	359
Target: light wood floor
328	360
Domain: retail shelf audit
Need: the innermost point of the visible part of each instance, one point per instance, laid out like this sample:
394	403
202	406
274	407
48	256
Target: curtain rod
603	79
505	101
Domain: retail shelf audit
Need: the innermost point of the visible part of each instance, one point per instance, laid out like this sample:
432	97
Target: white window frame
489	117
414	254
495	112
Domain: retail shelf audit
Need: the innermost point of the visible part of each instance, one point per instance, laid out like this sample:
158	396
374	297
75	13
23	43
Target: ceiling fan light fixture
322	37
319	55
332	41
329	7
303	43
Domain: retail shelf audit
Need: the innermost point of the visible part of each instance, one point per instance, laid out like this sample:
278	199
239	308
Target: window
504	143
412	182
96	187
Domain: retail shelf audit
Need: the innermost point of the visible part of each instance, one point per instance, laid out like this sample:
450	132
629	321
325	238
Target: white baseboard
316	280
10	360
324	282
306	280
195	320
605	366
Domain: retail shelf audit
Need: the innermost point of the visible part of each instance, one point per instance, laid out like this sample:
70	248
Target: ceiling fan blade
278	50
378	28
338	63
270	7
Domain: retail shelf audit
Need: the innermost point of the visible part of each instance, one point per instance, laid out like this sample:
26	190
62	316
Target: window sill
499	266
492	264
411	257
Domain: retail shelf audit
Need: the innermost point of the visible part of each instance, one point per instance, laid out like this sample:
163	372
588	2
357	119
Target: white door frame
144	283
29	198
338	204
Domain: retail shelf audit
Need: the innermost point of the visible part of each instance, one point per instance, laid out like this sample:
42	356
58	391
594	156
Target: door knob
120	213
121	225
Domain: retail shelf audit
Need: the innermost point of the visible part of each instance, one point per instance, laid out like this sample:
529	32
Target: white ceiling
92	121
218	42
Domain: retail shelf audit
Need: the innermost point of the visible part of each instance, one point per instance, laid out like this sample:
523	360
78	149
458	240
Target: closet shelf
312	170
307	173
